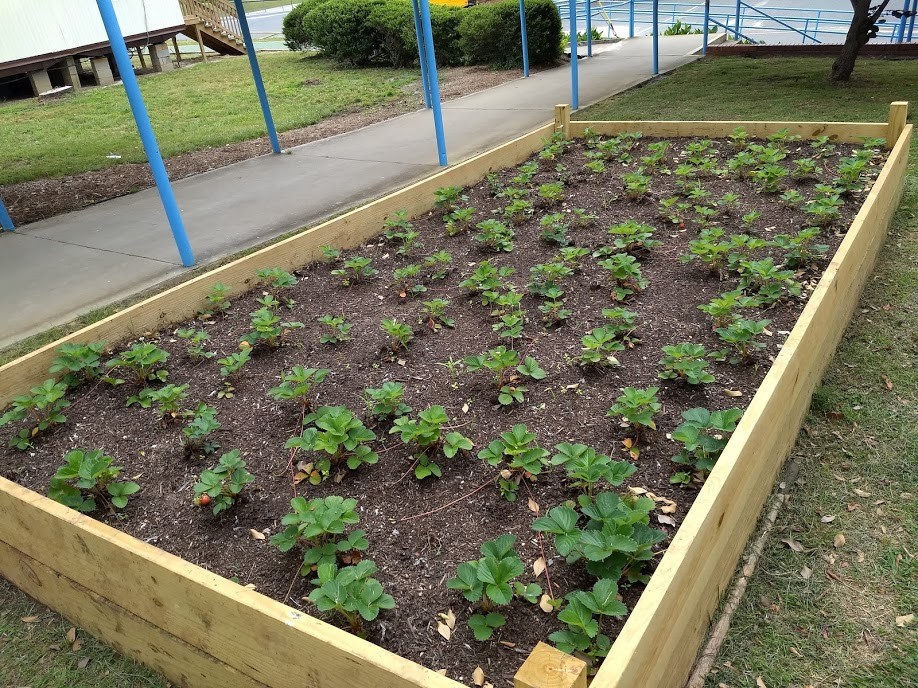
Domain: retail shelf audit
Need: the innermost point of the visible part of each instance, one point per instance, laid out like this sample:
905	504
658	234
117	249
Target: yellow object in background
453	3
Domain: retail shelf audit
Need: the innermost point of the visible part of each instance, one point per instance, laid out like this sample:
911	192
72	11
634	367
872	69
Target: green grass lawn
861	439
255	5
859	455
205	105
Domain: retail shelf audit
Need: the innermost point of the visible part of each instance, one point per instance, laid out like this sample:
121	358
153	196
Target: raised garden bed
201	629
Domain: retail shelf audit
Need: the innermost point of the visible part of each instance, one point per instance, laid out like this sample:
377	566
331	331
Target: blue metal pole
142	119
589	29
739	5
575	84
707	18
256	74
911	21
6	222
524	38
903	20
422	53
656	37
434	80
631	19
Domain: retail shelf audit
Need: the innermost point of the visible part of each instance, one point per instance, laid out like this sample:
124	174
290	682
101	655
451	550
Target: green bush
339	29
295	35
490	34
393	22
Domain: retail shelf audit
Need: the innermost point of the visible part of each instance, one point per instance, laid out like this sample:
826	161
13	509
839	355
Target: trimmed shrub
490	34
339	28
295	34
397	44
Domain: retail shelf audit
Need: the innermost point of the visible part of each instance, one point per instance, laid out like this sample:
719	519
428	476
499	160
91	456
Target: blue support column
422	53
256	74
589	29
575	84
911	21
739	9
707	18
631	19
524	37
434	80
903	20
6	222
656	37
142	119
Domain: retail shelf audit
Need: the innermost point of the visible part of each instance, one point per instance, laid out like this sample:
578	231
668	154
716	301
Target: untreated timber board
845	132
658	643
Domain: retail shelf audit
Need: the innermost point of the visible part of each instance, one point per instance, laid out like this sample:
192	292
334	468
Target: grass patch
209	104
857	456
255	5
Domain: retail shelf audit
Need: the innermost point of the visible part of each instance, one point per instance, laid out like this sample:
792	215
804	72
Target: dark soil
43	198
417	553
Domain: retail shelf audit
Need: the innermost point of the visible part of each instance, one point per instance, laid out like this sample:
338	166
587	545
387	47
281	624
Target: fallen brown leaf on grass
839	541
82	664
796	652
827	519
904	620
77	644
759	682
71	635
806	573
30	619
887	382
793	544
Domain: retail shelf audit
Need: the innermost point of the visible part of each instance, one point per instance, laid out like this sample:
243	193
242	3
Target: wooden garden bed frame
201	630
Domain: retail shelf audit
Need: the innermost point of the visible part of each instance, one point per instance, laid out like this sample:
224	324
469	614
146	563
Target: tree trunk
862	29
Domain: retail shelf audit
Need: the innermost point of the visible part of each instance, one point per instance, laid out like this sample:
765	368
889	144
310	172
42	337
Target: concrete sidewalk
54	270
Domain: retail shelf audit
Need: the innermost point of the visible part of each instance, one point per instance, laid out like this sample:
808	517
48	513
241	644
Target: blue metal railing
807	25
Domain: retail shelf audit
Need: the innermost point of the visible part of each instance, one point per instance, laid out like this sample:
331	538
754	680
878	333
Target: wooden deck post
197	31
547	667
178	54
563	120
898	112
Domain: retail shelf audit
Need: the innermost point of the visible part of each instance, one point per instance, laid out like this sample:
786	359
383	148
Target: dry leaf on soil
478	676
533	506
793	544
545	604
666	520
538	566
448	618
733	393
839	541
256	534
445	631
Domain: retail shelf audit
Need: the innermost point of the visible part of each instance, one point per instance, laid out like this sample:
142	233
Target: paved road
267	22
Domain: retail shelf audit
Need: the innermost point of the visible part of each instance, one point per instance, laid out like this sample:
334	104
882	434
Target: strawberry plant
401	232
520	457
626	272
351	593
223	483
824	210
319	528
79	362
554	229
202	425
584	616
399	333
510	326
87	476
168	400
387	401
340	435
217	299
741	335
426	432
459	220
750	218
623	323
657	158
448	198
197	340
437	265
495	236
633	236
637	407
297	385
571	256
552	194
435	313
767	281
703	436
768	178
487	281
598	347
330	254
547	275
596	166
739	138
516	212
822	146
231	364
674	210
616	541
585	468
355	270
267	328
145	360
504	362
637	184
338	329
554	312
729	202
275	279
722	309
406	280
792	198
491	582
40	408
685	362
799	249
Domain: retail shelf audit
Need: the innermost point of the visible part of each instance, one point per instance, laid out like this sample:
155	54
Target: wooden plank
346	231
672	615
898	113
262	639
846	132
548	667
130	635
563	119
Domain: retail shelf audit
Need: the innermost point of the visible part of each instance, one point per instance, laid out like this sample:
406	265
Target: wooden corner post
563	120
547	667
898	112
